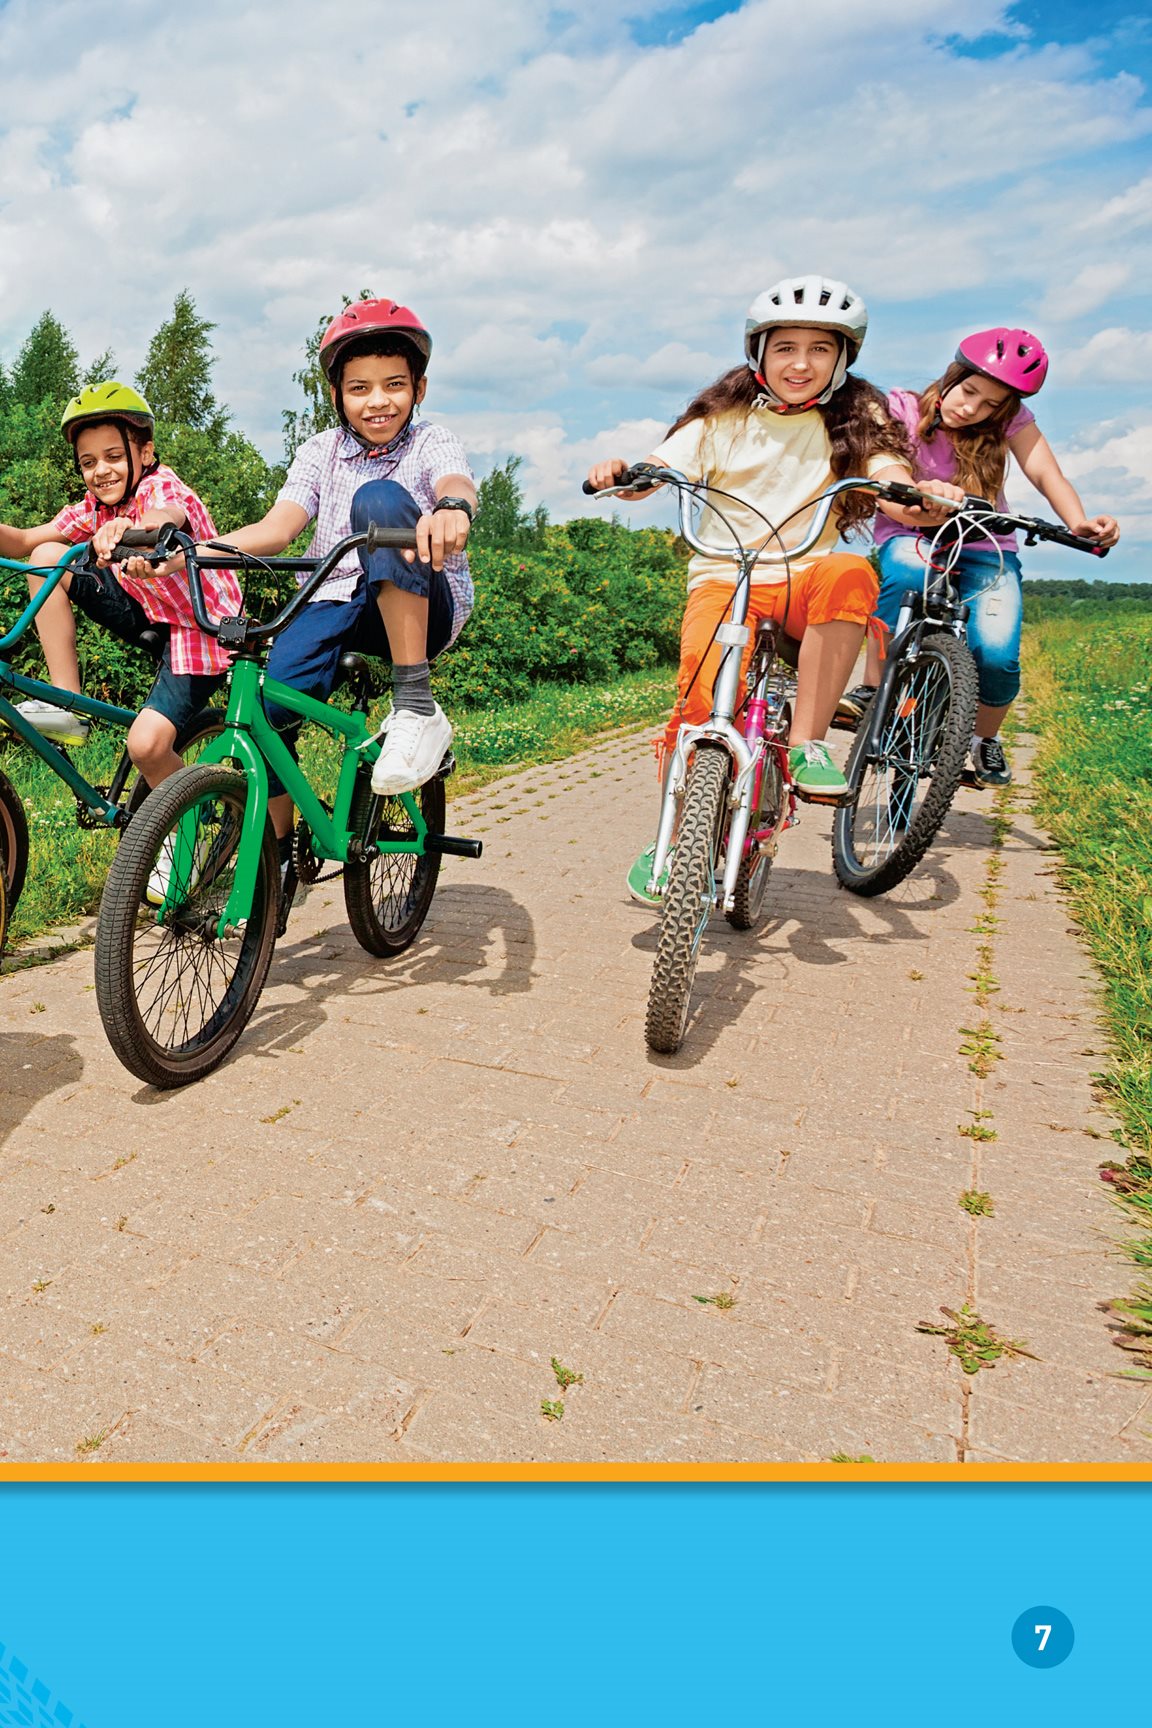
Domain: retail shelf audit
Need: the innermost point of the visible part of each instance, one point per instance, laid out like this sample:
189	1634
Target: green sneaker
814	774
640	875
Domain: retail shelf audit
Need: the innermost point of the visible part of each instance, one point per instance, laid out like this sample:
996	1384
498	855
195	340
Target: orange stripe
575	1472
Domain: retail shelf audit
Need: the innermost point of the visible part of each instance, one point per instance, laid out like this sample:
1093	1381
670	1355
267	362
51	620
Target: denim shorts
177	695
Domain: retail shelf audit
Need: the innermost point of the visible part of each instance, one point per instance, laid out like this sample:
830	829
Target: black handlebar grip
634	479
379	538
139	539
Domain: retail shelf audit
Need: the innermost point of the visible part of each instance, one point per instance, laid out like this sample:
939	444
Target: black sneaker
853	706
989	767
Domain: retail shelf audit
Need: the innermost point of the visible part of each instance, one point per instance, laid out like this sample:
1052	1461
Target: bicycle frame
103	808
250	739
745	748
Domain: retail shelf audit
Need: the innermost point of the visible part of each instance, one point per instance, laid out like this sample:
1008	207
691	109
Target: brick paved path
416	1184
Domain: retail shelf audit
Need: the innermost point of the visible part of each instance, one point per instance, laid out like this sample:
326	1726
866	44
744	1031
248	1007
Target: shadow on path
31	1069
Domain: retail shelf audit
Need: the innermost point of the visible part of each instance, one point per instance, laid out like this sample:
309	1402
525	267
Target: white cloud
577	218
1112	356
1087	290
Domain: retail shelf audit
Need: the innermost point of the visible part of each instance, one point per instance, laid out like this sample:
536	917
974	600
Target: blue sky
581	202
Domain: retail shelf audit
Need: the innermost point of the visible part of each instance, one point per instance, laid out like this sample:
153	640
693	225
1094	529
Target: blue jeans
993	595
307	654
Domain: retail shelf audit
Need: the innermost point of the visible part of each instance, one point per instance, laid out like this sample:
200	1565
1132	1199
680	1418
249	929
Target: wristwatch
454	504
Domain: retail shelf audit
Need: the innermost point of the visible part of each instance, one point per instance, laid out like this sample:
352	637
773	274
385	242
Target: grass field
68	864
1088	678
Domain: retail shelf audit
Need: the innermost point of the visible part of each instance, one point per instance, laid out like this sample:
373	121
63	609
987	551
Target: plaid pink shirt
328	469
165	598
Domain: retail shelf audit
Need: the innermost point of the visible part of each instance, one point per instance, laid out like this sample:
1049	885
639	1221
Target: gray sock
412	688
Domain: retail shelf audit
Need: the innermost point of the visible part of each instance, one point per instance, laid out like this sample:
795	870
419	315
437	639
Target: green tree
47	367
501	518
318	413
176	376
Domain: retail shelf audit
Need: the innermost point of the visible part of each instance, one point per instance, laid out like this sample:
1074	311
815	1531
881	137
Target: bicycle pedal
834	800
968	778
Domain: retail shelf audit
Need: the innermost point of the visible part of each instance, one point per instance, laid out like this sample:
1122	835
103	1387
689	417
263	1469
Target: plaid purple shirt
328	469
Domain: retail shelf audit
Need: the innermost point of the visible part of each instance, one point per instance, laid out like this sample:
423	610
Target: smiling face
108	459
797	364
971	401
378	395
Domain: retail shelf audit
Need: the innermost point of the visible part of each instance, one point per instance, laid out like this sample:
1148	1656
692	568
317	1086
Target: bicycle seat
787	647
354	669
152	642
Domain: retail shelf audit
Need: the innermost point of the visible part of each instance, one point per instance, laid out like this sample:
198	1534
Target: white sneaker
157	889
59	724
414	747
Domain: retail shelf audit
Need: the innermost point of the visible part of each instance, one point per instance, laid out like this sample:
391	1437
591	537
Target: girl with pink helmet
964	427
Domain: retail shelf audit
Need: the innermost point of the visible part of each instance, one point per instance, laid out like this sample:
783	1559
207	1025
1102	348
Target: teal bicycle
109	806
195	901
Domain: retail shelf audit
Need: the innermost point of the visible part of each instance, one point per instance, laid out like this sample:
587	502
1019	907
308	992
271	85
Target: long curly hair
981	450
856	420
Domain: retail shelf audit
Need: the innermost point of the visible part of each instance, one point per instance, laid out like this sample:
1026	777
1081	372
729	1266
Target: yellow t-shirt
777	463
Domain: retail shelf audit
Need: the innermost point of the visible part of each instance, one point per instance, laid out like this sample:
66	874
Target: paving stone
413	1183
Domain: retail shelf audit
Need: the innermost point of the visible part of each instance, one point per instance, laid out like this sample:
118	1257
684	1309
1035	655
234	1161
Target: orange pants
840	588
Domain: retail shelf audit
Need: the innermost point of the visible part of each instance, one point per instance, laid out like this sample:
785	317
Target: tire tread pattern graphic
26	1702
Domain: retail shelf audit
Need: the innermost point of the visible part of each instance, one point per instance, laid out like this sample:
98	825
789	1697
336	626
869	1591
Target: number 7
1047	1630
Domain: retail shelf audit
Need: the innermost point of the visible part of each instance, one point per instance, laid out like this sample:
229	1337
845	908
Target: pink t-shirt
165	598
934	458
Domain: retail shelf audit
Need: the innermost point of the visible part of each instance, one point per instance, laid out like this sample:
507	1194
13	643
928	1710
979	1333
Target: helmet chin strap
937	418
136	471
769	399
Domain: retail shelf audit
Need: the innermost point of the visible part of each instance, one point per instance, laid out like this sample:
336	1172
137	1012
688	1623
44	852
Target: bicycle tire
173	996
752	882
687	899
388	897
190	740
14	843
930	710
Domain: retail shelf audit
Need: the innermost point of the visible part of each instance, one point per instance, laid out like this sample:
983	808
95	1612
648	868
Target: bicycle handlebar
979	513
690	496
242	631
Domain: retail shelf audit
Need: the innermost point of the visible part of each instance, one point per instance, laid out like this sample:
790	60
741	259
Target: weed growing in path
974	1343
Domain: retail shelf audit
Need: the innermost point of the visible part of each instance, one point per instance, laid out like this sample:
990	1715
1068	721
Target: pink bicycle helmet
1014	358
371	318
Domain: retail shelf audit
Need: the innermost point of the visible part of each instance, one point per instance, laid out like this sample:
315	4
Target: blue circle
1043	1637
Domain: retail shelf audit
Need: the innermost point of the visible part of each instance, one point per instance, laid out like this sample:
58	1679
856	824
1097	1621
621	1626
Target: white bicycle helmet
811	302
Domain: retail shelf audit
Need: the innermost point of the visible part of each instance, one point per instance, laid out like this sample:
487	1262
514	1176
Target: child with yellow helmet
110	428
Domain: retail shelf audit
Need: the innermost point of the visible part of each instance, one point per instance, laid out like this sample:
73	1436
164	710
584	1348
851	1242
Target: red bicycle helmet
1014	358
371	318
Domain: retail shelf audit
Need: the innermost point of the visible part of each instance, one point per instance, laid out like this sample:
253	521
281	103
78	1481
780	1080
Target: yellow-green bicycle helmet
108	401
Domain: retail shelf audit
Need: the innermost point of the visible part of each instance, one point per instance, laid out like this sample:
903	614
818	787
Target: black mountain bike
912	744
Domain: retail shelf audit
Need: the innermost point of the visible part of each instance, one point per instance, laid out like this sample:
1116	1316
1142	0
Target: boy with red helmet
380	465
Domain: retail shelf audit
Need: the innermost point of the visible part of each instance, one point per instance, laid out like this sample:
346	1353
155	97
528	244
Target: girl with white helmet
776	431
964	427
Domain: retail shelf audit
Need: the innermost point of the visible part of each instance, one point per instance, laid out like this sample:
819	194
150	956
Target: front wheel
752	881
13	841
173	994
905	781
688	898
388	895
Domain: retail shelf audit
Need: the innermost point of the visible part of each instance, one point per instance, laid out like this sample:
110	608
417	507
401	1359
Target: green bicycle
194	901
